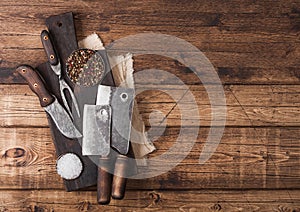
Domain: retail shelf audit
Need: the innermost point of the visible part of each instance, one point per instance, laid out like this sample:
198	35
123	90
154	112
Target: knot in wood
35	208
3	209
282	208
84	206
155	196
14	153
18	156
216	207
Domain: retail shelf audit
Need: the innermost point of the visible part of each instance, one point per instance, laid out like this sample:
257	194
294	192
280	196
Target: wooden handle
36	84
104	181
119	180
49	47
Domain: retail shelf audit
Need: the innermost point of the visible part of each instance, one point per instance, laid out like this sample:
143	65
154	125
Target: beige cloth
122	69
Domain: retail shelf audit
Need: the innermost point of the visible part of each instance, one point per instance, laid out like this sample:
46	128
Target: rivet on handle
23	70
45	37
45	99
52	57
35	85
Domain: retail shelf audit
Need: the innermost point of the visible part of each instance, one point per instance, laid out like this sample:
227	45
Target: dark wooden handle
104	181
119	180
36	84
49	47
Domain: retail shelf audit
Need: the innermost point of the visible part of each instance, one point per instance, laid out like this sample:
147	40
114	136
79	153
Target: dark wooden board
62	31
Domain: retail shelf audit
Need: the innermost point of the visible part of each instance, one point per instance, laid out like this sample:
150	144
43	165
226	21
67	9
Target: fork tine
64	85
66	103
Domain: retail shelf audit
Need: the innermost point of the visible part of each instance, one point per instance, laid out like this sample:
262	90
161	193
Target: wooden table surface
255	48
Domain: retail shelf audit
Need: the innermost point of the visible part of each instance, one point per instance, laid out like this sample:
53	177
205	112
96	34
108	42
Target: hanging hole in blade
102	114
124	97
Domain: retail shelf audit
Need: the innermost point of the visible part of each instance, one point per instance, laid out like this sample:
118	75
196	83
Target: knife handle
119	180
104	181
36	84
49	48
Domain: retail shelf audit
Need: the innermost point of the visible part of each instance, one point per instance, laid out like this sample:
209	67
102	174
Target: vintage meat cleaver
96	130
96	142
121	102
108	123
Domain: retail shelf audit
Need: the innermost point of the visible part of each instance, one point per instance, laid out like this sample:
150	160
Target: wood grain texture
204	200
259	105
245	158
242	42
254	47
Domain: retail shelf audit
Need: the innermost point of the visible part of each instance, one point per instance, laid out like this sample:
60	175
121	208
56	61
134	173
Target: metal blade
121	101
56	69
63	85
96	130
62	120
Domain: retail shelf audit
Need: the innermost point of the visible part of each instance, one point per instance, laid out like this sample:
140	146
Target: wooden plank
236	116
236	95
204	200
209	40
236	6
160	14
229	73
242	42
245	158
249	42
259	105
226	55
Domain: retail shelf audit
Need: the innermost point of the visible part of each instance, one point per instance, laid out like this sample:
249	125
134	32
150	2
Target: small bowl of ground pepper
85	67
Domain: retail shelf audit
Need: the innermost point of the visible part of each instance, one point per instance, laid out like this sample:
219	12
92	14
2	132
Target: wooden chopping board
62	30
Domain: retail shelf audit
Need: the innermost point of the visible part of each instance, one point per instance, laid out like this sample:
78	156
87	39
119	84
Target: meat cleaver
96	142
96	130
121	101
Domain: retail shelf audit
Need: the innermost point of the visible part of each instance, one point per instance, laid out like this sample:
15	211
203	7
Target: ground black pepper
85	67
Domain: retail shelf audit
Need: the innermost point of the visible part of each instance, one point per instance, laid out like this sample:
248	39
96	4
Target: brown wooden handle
119	180
49	48
104	181
36	84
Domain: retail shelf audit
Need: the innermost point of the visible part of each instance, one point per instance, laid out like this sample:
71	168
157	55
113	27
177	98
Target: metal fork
56	68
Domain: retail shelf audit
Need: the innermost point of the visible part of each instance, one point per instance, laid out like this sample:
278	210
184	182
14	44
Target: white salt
69	166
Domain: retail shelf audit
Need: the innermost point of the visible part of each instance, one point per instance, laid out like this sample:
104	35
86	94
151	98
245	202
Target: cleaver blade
121	101
96	130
